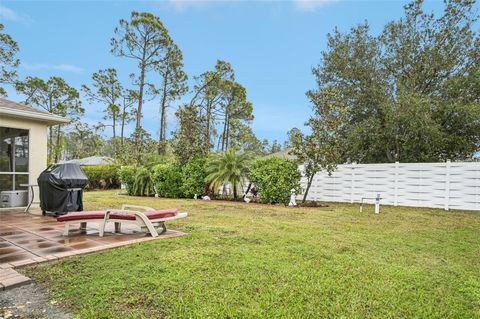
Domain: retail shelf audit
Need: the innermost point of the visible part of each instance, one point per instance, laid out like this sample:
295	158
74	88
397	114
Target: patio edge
10	278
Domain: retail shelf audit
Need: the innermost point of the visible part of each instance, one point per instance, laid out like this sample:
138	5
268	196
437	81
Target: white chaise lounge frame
140	219
83	224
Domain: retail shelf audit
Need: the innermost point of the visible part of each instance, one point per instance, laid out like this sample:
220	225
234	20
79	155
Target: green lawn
255	261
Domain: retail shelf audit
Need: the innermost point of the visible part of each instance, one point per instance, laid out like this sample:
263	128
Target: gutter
42	117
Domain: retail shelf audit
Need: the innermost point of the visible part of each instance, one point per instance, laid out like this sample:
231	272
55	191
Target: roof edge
52	119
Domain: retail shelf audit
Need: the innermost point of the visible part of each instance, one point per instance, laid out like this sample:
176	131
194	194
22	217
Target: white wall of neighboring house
449	185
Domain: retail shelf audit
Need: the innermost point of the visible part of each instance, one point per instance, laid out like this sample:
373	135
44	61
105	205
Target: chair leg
102	227
147	223
164	228
65	229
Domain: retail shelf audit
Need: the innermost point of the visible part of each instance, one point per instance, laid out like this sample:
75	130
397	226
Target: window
14	149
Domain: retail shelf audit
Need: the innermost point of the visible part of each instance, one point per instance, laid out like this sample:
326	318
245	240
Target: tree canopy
411	93
8	61
173	86
143	39
57	97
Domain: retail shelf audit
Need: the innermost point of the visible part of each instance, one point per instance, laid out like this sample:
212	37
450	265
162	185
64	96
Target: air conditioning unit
17	198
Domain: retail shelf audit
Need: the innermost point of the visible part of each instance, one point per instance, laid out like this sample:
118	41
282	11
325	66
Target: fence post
447	185
395	198
352	182
377	204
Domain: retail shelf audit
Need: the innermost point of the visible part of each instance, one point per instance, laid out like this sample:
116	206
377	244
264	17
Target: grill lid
64	175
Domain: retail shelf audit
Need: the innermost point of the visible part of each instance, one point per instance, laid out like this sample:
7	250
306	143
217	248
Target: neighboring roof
283	153
14	109
92	160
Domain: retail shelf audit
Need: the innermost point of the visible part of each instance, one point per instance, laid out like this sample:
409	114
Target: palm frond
229	167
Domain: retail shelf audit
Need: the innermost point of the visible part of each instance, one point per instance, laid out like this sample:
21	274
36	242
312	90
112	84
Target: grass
255	261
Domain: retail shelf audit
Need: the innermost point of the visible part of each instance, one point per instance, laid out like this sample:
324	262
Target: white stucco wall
37	145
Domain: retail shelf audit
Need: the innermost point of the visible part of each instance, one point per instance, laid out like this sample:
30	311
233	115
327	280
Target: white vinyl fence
450	185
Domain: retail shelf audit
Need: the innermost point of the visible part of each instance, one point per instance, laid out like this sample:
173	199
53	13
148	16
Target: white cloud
10	15
181	5
59	67
311	5
68	68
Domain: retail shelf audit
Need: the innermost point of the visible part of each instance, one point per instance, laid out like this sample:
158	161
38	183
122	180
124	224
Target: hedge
167	180
127	177
274	178
142	182
103	176
193	177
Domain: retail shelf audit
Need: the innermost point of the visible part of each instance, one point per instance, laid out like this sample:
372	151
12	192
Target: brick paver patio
30	238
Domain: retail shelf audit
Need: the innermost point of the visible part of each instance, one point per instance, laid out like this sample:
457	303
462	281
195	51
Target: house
283	154
92	160
23	145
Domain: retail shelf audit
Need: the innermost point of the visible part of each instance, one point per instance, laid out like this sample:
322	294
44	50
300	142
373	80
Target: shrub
274	177
193	177
150	160
142	182
102	176
226	168
127	177
167	180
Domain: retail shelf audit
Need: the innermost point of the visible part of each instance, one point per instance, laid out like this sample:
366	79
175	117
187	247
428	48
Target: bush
193	177
167	180
127	177
229	168
142	183
274	178
102	176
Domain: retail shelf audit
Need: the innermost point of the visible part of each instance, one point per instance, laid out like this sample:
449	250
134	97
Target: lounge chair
148	220
81	217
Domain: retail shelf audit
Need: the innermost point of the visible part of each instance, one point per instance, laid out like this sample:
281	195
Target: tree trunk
207	129
138	125
114	133
57	145
227	134
234	191
140	98
161	138
124	115
220	139
309	183
224	131
50	128
163	120
50	144
164	133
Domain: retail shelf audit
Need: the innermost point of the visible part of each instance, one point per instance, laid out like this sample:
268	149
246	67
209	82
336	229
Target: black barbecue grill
61	189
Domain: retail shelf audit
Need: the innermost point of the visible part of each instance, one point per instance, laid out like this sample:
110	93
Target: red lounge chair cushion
150	215
81	215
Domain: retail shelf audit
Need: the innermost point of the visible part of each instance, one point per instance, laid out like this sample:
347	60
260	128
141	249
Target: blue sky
271	45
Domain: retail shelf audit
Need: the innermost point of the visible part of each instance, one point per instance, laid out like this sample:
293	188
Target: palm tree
227	167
